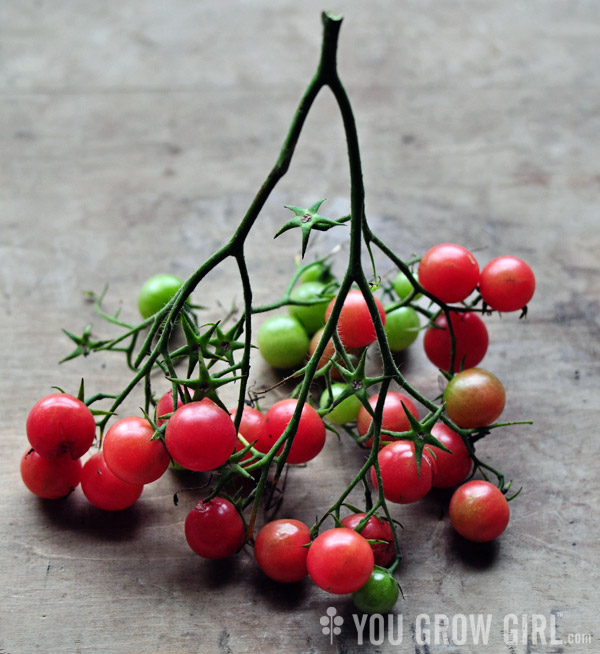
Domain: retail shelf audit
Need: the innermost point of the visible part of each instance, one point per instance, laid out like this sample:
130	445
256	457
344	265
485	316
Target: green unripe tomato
402	327
317	273
156	292
311	316
379	594
403	286
282	342
345	411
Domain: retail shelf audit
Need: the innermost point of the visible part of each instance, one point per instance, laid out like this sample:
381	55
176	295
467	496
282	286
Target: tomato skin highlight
310	435
131	454
471	341
479	512
375	529
340	561
200	436
507	283
449	271
60	423
51	479
279	550
214	529
474	398
105	490
450	469
355	325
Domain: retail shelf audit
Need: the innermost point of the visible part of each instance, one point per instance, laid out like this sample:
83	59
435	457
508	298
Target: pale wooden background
134	135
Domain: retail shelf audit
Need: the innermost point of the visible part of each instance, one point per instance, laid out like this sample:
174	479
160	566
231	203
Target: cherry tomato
50	478
402	483
375	529
346	411
312	317
200	436
403	286
474	398
282	342
355	325
280	550
156	293
471	337
60	423
402	327
164	406
105	490
479	511
450	469
340	561
449	271
250	428
310	435
507	283
317	273
379	594
393	417
328	353
131	454
215	529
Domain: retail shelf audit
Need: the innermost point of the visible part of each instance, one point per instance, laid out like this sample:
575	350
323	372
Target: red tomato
280	550
340	561
200	436
50	478
507	284
104	489
479	511
450	469
474	398
449	271
215	529
375	529
131	454
393	418
355	325
60	423
471	341
310	435
401	481
250	427
164	406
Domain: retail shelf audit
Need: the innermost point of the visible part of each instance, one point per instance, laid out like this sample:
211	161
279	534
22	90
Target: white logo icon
331	623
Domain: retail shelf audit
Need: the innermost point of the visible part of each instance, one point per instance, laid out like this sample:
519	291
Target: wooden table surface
134	135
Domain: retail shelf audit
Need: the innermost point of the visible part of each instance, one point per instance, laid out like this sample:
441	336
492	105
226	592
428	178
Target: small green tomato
346	411
402	327
379	594
403	286
156	292
311	316
282	342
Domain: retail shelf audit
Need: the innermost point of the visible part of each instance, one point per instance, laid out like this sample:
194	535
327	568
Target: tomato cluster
190	428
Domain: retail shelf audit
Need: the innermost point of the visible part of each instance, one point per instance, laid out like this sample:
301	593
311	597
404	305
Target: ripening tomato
280	550
60	423
340	561
479	511
310	435
402	483
474	398
105	490
50	478
131	453
449	271
355	325
507	283
376	529
471	337
393	417
214	529
200	436
450	469
329	353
